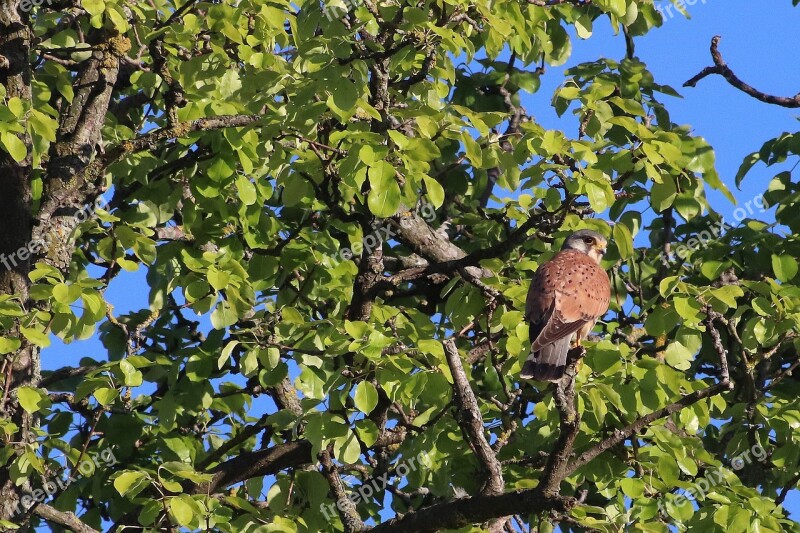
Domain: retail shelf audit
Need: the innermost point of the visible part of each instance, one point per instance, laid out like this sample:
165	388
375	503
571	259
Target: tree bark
21	367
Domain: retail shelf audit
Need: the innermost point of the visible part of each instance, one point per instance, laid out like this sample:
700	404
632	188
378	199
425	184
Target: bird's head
589	242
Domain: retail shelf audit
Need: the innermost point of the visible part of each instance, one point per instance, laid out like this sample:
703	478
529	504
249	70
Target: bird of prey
567	296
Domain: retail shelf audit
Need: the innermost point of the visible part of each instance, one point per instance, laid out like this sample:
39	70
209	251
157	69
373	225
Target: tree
336	281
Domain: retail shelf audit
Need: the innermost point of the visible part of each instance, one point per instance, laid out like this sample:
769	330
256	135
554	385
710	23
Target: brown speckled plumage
567	295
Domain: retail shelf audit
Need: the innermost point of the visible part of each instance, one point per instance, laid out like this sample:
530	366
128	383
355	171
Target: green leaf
32	400
784	266
35	336
218	279
129	483
94	7
384	194
623	240
296	191
632	487
678	356
598	197
473	149
223	315
366	397
229	83
14	146
688	308
347	448
762	306
310	384
728	294
745	167
435	191
133	378
344	97
583	26
105	396
182	511
370	155
118	19
663	194
9	344
617	7
247	191
66	294
739	521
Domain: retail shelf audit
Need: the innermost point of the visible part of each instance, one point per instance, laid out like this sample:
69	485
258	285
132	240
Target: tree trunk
16	221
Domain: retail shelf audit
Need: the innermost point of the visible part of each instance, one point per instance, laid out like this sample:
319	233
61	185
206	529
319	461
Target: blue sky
760	45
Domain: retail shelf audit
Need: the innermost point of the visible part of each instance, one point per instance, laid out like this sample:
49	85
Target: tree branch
564	395
347	508
65	373
469	417
147	141
248	465
620	435
67	520
466	511
426	242
446	257
79	131
722	68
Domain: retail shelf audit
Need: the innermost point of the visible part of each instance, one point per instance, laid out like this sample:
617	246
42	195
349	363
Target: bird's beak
602	250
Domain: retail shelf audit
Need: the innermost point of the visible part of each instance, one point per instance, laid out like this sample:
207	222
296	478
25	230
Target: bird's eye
588	240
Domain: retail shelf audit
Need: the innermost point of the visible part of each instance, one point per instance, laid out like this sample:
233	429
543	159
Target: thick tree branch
244	434
347	509
79	131
285	397
469	417
370	270
564	395
147	141
477	509
722	68
65	373
413	230
67	520
253	464
447	258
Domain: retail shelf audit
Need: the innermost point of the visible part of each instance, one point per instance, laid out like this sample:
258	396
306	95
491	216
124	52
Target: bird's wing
566	293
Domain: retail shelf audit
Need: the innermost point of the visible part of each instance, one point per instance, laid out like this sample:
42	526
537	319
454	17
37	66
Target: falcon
568	294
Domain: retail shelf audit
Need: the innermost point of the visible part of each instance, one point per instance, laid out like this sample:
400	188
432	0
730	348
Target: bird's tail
549	363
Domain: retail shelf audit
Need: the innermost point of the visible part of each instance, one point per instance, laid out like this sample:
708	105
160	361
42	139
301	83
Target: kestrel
567	295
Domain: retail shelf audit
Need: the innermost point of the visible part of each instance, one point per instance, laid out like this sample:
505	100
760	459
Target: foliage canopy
338	208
